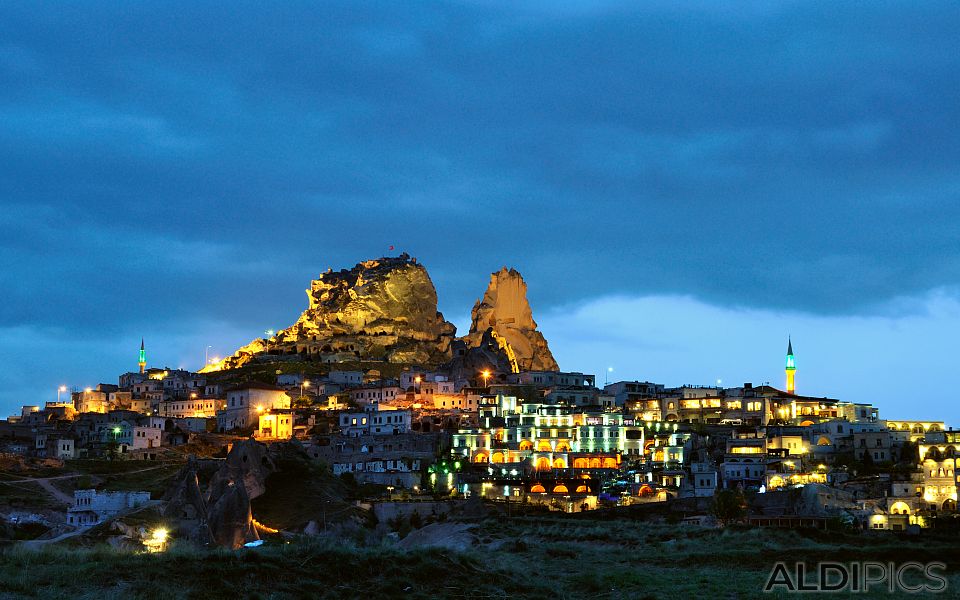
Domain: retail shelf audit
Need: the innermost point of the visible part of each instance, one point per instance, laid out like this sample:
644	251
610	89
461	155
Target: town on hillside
543	440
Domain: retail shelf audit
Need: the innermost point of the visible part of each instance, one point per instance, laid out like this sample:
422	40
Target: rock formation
505	309
223	514
384	309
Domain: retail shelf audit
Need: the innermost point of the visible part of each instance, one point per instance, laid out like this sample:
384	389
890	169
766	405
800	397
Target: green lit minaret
791	368
143	357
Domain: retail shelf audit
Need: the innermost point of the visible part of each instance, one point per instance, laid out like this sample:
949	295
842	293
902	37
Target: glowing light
160	535
88	390
259	408
263	527
62	388
116	431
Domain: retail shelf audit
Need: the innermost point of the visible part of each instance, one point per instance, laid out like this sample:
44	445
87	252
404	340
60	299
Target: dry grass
531	557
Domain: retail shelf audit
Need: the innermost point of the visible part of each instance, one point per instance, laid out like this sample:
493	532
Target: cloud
163	166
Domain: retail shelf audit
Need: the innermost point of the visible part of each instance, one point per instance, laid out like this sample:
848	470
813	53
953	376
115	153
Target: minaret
791	368
143	358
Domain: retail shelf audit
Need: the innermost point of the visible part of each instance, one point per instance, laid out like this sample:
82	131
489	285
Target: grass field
530	557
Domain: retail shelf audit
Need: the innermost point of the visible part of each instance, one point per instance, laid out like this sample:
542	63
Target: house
346	378
375	422
876	444
396	460
90	400
373	394
192	406
275	425
91	507
745	462
244	404
704	478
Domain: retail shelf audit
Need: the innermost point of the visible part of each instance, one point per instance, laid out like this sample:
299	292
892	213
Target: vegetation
548	556
728	506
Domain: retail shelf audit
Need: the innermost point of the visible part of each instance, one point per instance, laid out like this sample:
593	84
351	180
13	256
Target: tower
791	368
143	358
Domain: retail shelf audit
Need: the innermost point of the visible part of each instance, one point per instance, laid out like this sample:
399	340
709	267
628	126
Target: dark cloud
180	164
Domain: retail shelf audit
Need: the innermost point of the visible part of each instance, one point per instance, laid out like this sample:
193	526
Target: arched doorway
900	508
543	464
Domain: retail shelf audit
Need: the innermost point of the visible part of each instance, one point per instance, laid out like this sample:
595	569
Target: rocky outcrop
230	518
222	515
187	505
468	361
504	309
384	309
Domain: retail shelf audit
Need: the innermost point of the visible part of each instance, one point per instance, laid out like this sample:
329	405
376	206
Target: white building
245	403
373	395
190	407
346	378
703	476
91	507
375	422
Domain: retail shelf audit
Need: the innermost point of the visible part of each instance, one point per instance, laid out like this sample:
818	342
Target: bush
728	506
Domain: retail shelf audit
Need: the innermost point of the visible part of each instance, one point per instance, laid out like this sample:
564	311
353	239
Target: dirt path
53	491
28	479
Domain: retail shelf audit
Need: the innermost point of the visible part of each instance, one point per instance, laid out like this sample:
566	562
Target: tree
909	454
728	506
866	464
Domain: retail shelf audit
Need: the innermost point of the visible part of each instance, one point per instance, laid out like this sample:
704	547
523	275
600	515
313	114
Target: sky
682	185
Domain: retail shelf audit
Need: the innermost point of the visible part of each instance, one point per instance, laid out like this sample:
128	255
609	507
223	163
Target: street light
302	384
486	377
60	389
206	355
416	381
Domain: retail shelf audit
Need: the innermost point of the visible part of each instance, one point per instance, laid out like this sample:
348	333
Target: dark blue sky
182	170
